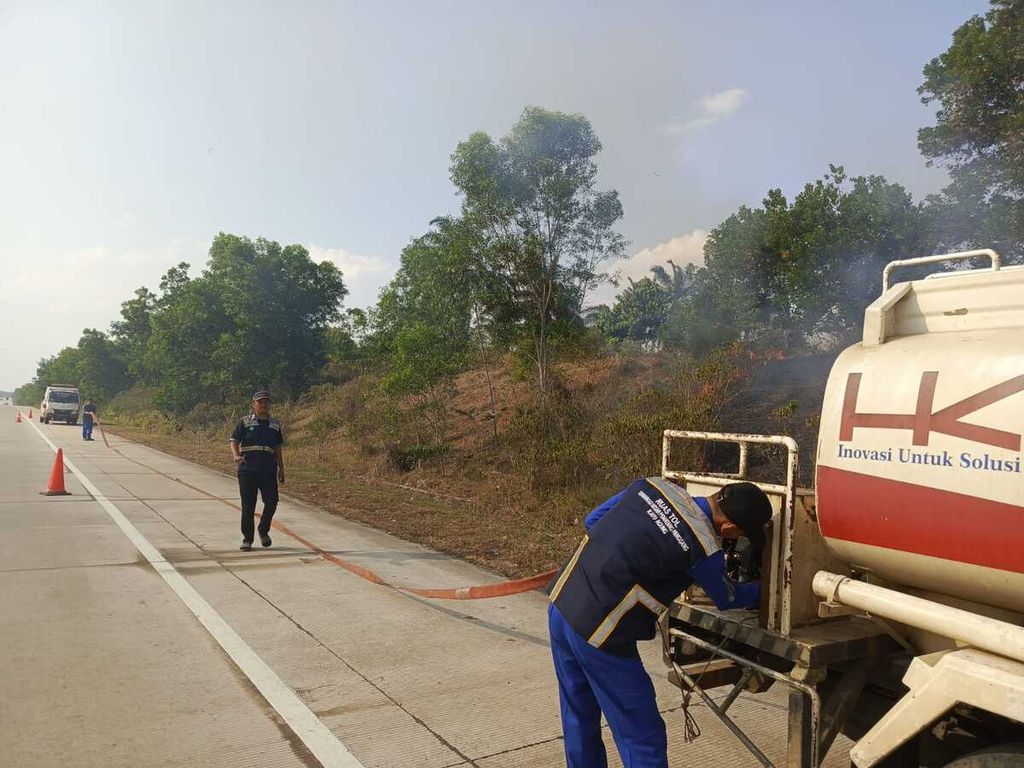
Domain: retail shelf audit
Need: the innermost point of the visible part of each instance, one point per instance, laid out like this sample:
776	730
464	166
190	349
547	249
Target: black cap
747	506
259	394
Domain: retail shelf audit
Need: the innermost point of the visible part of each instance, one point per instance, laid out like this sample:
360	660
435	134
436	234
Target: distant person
256	448
88	417
642	548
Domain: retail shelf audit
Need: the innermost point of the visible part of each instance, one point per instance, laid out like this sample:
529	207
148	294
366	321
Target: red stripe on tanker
911	518
919	464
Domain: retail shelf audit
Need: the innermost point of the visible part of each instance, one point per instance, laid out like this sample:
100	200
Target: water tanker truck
893	594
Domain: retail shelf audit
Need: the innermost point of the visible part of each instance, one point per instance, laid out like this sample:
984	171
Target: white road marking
317	737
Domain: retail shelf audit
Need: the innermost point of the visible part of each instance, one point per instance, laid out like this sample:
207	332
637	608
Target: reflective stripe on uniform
252	420
636	596
266	448
688	510
568	568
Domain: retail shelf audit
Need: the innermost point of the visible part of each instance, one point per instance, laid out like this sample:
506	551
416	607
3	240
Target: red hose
479	592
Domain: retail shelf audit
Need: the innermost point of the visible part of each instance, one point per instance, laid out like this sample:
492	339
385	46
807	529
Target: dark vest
632	564
257	441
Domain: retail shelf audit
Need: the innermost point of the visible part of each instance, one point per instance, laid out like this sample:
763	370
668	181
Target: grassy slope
485	499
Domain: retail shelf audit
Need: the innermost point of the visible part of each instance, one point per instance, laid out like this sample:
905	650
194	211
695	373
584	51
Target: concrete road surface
134	633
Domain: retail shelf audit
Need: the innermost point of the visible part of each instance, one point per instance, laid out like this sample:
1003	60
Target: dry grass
488	529
512	503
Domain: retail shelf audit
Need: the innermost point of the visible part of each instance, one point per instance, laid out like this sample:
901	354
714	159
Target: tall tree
978	84
257	316
132	331
544	225
279	303
101	370
423	321
641	310
789	272
186	328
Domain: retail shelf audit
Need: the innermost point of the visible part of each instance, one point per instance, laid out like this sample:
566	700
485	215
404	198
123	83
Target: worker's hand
280	476
238	459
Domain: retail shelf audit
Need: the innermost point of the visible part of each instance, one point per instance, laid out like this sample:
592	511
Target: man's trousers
265	484
592	681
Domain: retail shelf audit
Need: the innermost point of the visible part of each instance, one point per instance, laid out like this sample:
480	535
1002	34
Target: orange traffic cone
30	413
56	485
17	419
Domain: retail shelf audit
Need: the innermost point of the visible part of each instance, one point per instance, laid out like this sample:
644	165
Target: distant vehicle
60	402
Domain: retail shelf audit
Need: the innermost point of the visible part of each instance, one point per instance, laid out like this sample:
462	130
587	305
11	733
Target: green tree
94	366
978	131
346	341
258	315
428	321
132	331
61	368
704	319
789	272
436	284
29	394
101	372
186	328
543	225
638	313
677	283
641	310
279	303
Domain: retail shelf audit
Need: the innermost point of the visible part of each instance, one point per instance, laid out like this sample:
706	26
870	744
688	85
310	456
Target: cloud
712	109
364	275
681	250
45	302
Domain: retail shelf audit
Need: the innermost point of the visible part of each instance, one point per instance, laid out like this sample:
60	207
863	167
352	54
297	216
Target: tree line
513	270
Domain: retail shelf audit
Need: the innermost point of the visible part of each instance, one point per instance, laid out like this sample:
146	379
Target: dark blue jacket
643	548
257	438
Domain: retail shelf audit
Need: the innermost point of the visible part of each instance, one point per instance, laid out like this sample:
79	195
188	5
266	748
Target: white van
61	403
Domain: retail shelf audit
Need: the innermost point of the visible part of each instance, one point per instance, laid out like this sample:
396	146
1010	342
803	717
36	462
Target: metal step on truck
892	594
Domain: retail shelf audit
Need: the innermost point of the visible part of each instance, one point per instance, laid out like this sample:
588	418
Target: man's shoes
246	546
265	539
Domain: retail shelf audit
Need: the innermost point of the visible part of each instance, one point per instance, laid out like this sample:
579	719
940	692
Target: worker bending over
643	547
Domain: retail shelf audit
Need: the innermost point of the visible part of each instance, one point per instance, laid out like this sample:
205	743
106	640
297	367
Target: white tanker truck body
894	595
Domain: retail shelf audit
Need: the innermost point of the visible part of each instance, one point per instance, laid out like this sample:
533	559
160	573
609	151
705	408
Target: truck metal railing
780	592
750	667
995	258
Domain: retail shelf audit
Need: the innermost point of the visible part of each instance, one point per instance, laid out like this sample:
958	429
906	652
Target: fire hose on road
478	592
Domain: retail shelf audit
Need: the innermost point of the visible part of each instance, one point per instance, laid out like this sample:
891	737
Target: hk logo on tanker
924	420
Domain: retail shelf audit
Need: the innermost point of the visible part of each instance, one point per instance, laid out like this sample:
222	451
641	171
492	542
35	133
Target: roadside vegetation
484	404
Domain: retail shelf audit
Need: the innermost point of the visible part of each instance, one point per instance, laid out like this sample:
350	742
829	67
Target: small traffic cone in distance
17	418
56	485
30	413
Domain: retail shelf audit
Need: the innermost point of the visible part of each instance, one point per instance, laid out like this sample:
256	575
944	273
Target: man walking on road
256	448
642	548
88	417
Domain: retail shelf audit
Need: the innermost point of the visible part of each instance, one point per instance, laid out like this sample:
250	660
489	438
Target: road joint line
310	730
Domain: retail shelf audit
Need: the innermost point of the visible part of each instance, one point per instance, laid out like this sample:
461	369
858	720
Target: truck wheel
72	422
1000	756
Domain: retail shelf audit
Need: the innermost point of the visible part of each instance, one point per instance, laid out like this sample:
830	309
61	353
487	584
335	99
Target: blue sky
131	133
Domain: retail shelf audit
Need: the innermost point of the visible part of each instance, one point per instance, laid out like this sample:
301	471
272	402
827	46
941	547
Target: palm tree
679	283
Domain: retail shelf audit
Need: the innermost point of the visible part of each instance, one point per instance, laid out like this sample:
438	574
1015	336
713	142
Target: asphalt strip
317	738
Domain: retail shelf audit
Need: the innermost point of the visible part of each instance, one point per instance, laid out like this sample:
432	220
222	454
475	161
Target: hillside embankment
486	469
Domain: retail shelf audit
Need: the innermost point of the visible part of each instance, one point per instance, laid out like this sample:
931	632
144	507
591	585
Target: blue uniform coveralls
257	472
643	547
88	414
